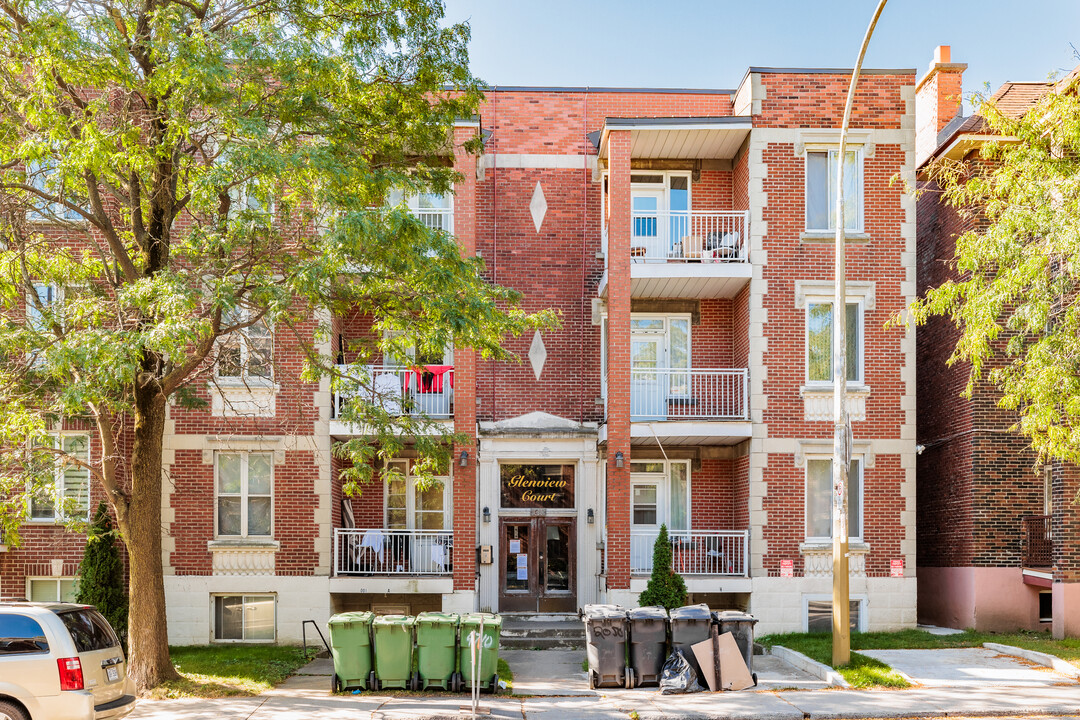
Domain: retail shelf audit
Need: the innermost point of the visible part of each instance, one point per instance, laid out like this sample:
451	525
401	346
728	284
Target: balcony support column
617	528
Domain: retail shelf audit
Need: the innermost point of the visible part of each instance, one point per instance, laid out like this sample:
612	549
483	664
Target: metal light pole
841	611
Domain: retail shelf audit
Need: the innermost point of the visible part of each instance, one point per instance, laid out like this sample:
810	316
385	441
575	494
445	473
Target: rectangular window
244	494
661	494
35	317
819	505
244	617
67	481
51	589
821	170
819	337
412	506
43	175
819	616
247	353
1048	491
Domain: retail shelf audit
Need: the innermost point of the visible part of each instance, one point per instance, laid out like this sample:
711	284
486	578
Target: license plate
112	673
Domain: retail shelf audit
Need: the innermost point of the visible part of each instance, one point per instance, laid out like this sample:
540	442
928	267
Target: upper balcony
424	390
1038	550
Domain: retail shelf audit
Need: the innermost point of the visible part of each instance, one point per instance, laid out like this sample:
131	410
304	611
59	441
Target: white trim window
51	589
663	342
244	494
48	297
819	339
245	618
660	494
434	210
246	354
821	167
819	505
41	175
408	505
70	482
817	613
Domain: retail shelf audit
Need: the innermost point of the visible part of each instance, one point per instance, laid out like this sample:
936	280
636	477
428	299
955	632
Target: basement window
1046	606
818	617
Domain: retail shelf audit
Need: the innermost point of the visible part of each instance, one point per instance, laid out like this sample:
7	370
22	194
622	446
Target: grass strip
862	672
212	671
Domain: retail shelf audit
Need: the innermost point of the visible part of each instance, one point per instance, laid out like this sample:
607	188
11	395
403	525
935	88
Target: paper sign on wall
896	568
787	568
515	547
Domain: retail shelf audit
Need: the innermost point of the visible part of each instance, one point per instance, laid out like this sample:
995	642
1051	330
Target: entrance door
648	387
538	565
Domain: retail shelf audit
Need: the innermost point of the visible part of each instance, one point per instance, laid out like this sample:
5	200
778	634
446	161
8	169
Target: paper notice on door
515	547
523	573
522	561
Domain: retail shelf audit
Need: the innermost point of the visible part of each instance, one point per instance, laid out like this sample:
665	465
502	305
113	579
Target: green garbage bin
393	650
488	648
436	649
350	646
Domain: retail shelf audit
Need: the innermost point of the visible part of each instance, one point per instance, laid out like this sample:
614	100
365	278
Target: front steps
542	632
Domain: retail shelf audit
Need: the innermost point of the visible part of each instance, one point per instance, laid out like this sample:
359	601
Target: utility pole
842	438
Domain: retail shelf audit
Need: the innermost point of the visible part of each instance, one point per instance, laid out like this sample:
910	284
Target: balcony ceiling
716	138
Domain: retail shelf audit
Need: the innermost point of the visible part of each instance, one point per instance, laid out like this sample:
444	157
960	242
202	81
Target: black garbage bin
689	626
741	626
648	644
605	646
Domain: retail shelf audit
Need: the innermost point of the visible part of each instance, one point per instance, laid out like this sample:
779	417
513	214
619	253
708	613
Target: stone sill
827	389
816	236
814	547
243	544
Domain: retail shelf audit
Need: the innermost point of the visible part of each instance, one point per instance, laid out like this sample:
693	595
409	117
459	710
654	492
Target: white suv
60	661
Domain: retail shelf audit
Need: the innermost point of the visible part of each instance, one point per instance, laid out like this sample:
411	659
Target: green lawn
864	671
227	670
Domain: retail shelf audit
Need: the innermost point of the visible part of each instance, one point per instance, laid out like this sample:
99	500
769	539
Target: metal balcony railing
383	551
421	390
1038	541
697	552
435	218
689	236
694	394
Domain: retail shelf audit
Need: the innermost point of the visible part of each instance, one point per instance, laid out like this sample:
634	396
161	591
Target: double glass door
538	565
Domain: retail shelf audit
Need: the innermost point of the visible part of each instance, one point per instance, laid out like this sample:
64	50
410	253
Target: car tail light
70	673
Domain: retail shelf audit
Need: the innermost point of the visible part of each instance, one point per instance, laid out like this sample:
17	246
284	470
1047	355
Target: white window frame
244	455
447	359
667	318
860	341
37	173
58	480
861	499
663	498
244	595
243	342
412	202
605	179
405	468
41	578
863	601
859	183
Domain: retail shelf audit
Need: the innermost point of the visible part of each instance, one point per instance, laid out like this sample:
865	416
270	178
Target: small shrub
666	587
101	574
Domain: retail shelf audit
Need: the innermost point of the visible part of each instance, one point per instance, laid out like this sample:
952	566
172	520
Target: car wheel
12	712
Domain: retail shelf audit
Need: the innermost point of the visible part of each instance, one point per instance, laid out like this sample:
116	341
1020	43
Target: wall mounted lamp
618	459
590	516
487	515
464	460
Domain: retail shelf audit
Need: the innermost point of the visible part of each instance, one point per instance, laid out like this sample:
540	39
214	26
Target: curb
1055	663
809	666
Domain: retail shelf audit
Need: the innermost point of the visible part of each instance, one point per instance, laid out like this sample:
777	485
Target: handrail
422	390
393	551
689	236
688	394
303	635
694	552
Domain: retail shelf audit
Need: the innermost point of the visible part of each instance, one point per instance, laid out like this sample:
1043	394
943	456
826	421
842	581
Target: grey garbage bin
689	626
741	626
648	644
605	646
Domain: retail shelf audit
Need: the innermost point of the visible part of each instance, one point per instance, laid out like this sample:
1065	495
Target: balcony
392	552
424	390
1038	542
723	553
435	218
696	394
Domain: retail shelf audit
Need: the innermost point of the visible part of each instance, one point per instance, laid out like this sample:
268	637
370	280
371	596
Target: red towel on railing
429	378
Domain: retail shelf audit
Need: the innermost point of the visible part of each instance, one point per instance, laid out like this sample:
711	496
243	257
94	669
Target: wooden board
733	671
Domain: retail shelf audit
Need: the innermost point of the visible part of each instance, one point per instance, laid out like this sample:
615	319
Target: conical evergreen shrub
666	587
101	574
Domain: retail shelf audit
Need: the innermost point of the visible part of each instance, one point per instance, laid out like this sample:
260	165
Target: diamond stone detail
537	354
538	207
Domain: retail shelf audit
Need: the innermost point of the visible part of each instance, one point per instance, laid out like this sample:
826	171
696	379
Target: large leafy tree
1014	296
206	169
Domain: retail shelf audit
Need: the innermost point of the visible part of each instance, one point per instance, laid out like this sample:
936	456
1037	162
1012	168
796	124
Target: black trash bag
678	675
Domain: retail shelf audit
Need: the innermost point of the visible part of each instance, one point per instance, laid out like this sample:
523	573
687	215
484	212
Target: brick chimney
938	100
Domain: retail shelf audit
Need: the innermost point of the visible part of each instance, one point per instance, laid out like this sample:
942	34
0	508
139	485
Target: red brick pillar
618	361
465	490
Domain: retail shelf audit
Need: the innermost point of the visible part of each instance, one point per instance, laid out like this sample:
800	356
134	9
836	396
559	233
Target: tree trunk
148	638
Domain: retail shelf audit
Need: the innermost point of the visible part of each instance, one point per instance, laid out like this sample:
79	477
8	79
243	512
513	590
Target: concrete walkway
306	695
967	667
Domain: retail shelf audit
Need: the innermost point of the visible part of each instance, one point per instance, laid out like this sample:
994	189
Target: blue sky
679	43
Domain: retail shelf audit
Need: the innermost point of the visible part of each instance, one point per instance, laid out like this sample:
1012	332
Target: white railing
689	236
697	552
435	218
421	390
381	551
675	394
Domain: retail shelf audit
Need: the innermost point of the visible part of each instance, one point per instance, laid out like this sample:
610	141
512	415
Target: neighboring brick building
684	236
995	529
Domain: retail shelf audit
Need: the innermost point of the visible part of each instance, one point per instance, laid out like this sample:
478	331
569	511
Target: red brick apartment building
685	237
997	533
